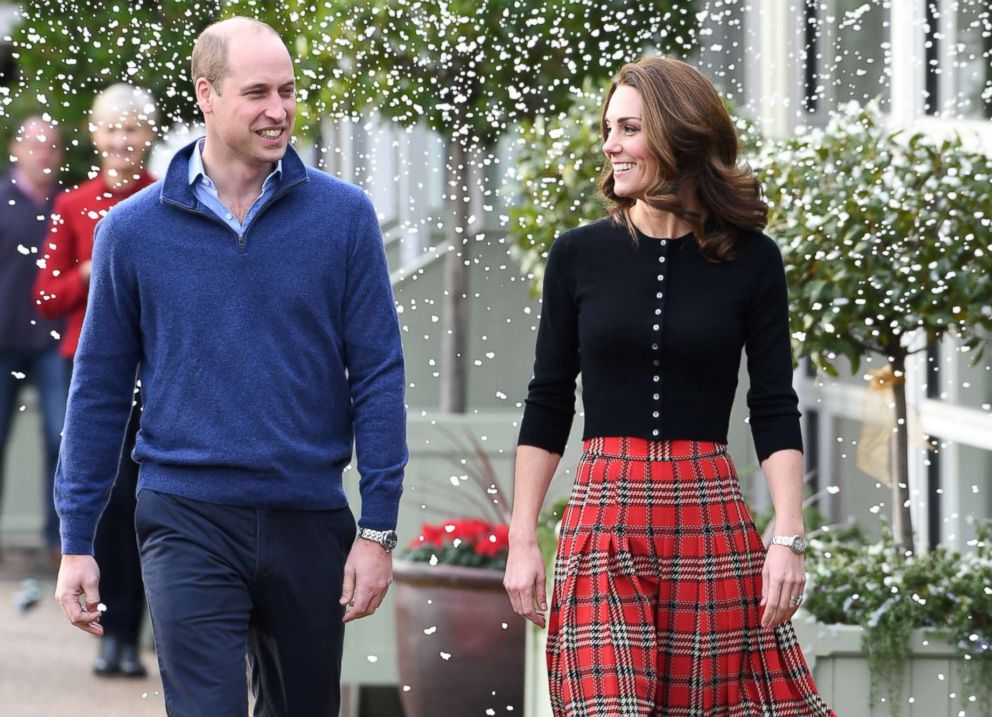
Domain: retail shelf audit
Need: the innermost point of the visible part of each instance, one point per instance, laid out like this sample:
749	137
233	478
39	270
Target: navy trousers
226	582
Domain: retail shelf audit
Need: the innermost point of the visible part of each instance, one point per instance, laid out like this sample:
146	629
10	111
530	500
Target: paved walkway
45	662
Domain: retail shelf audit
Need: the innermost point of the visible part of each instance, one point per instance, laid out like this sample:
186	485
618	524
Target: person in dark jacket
665	600
28	341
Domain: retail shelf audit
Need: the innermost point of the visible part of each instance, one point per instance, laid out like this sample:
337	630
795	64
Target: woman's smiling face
625	144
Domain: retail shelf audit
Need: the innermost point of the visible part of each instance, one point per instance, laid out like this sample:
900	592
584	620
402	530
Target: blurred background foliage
464	69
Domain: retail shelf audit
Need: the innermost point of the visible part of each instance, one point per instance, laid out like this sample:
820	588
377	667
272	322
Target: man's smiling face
254	111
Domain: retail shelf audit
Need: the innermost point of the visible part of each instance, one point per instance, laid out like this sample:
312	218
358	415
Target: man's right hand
524	581
79	577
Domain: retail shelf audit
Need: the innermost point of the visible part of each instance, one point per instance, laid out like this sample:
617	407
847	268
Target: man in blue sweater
251	295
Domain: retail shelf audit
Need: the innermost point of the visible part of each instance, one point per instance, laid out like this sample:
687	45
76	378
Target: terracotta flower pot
460	647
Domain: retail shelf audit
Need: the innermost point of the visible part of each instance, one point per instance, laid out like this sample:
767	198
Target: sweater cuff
545	429
780	433
380	512
77	539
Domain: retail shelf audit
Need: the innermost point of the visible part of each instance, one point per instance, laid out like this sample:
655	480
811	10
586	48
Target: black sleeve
550	405
771	399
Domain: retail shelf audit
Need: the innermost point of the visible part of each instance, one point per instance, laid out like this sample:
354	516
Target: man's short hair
24	124
124	99
209	59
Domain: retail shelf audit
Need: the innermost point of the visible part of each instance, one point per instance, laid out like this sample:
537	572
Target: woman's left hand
782	578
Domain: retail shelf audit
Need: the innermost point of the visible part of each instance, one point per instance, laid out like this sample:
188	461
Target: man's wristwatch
796	543
386	538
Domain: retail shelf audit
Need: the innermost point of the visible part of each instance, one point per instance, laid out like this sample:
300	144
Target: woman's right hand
524	581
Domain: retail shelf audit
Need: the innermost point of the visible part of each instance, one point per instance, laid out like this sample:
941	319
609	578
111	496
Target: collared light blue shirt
206	191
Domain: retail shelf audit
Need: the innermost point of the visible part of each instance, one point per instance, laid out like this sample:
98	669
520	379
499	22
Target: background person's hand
783	576
85	270
367	576
79	577
525	582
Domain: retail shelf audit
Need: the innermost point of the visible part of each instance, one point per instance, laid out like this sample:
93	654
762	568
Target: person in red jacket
122	133
122	123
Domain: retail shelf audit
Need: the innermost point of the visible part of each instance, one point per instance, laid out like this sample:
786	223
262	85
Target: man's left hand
367	575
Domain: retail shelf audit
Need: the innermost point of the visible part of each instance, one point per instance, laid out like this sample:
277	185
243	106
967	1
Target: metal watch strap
385	538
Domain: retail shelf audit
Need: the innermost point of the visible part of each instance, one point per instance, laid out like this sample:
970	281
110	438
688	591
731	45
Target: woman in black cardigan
665	600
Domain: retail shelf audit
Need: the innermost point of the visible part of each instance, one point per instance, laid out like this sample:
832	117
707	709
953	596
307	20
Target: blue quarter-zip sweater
263	358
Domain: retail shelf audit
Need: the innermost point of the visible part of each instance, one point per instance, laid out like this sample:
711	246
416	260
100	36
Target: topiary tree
886	239
471	70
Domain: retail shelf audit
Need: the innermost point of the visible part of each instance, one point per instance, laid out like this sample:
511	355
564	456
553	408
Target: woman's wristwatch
796	543
386	538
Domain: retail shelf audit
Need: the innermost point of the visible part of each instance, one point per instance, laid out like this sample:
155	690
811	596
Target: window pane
856	65
966	384
975	486
722	46
974	388
862	498
972	56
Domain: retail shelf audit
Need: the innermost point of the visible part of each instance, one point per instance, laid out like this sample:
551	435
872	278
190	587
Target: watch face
799	545
389	540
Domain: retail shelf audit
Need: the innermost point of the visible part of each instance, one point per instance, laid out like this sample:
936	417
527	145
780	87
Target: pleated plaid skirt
656	604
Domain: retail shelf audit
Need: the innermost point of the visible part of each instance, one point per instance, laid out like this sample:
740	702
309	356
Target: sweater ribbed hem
245	488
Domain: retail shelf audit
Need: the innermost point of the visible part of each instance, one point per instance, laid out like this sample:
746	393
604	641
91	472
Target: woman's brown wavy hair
694	143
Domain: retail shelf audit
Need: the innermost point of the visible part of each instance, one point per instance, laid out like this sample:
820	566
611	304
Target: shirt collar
197	172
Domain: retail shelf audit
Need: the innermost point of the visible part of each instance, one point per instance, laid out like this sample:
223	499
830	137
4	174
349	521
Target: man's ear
204	95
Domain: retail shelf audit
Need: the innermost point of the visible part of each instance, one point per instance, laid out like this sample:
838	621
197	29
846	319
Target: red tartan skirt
657	589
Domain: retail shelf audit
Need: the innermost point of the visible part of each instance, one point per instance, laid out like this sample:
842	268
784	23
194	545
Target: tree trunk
902	520
319	144
454	339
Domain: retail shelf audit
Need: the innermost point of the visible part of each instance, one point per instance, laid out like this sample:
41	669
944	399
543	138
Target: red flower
495	540
479	537
429	535
502	534
467	531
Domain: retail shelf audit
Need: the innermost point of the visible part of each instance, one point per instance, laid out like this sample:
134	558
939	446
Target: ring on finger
797	600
